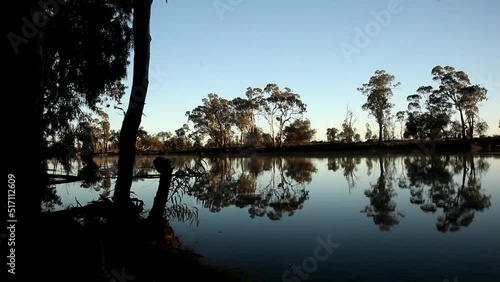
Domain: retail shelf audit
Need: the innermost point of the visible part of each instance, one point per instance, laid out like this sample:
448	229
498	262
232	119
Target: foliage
456	89
245	112
378	92
224	184
332	134
348	132
458	200
282	106
299	132
428	113
368	132
84	70
214	119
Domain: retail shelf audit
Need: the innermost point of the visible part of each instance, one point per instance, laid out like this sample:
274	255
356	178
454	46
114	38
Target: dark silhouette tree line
219	118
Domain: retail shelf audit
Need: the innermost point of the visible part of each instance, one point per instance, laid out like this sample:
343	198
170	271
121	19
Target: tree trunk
471	128
464	136
380	131
272	130
132	120
280	134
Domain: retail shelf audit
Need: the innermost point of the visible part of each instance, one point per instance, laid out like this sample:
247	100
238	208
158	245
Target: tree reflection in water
349	166
276	186
382	208
448	183
240	182
100	177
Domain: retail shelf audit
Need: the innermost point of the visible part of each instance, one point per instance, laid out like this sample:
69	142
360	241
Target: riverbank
113	248
427	147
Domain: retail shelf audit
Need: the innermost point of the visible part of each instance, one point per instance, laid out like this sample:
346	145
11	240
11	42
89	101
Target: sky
323	50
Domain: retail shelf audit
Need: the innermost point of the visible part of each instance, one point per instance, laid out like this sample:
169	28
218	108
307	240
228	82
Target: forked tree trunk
132	120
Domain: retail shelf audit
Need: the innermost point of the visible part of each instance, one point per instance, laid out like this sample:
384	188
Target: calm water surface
376	218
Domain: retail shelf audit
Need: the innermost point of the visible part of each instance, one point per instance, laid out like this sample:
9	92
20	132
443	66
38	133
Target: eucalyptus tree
400	117
133	115
332	134
348	130
390	128
378	91
242	117
83	72
164	136
368	132
456	88
299	132
255	98
114	139
104	130
283	107
471	98
70	60
481	127
430	112
214	119
88	136
245	113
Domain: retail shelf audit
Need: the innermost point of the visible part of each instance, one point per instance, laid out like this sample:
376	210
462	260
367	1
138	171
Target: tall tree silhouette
378	91
133	116
83	72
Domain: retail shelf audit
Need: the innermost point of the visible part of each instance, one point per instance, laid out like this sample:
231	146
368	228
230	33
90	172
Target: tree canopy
378	91
86	52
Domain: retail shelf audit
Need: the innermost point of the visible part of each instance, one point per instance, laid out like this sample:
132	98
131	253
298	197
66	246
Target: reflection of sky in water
413	250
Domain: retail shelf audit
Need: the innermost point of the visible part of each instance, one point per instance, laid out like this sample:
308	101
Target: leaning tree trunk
132	120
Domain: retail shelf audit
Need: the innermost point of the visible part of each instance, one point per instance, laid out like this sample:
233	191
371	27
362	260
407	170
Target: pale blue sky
199	47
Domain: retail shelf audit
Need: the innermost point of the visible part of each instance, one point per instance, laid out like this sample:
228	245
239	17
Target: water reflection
349	166
274	187
449	184
268	187
382	208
